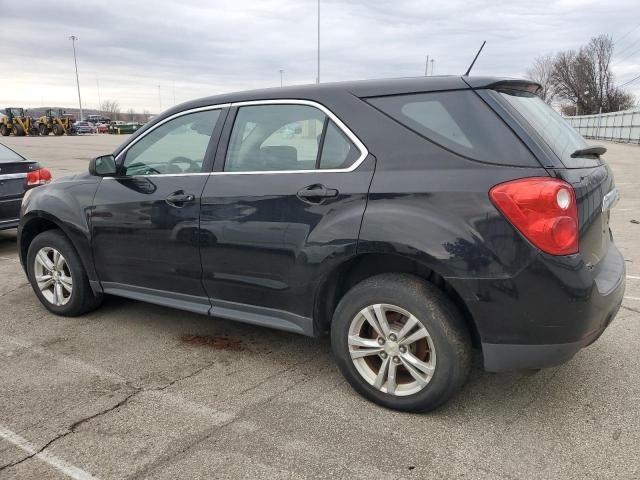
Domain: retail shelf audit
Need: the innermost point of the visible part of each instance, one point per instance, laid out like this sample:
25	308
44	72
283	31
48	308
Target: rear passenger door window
458	121
287	137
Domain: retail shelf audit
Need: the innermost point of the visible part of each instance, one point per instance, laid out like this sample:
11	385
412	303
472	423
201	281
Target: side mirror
103	166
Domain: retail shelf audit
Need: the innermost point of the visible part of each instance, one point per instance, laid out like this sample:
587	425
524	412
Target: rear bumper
544	315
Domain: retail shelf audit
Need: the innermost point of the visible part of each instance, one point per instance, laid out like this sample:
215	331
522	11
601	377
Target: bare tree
542	72
584	79
131	113
111	108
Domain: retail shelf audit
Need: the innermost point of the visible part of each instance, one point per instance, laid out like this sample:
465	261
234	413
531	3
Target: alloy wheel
53	276
391	349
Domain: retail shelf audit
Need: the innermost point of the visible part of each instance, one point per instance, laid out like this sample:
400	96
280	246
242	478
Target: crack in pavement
182	450
631	309
136	391
14	289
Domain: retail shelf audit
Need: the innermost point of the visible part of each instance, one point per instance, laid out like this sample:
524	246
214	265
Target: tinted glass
558	134
178	146
459	121
274	138
337	150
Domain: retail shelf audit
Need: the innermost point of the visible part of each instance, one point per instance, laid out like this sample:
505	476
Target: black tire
82	298
58	130
4	131
18	131
34	131
44	130
434	310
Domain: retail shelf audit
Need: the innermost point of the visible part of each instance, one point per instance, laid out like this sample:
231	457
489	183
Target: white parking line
57	463
73	362
633	277
631	298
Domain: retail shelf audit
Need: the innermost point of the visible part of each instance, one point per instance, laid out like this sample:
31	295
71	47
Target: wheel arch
356	269
37	222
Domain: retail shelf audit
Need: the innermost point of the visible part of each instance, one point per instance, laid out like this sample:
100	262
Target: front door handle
316	193
178	199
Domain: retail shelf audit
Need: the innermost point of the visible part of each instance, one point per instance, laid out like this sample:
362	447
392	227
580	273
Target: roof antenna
474	59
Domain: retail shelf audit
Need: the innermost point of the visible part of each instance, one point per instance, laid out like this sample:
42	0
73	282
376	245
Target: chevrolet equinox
412	219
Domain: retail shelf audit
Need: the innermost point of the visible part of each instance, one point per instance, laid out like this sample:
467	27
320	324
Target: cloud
204	48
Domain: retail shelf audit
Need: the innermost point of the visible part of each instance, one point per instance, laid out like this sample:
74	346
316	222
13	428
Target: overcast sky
216	46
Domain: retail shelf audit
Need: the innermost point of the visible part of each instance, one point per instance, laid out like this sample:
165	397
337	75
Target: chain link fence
623	126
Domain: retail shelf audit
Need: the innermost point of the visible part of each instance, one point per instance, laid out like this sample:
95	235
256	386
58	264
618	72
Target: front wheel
401	343
58	277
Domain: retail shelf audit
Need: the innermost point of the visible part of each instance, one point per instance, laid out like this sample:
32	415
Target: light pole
432	62
73	39
318	77
159	98
281	72
426	67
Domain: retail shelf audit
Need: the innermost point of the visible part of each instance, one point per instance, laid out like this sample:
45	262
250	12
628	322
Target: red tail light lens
39	177
543	209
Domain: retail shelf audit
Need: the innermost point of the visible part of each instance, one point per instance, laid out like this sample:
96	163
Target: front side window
178	146
285	138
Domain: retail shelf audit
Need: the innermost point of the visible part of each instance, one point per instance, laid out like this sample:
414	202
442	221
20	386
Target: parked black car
410	218
17	175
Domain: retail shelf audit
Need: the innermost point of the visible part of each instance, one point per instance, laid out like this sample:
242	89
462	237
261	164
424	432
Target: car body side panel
263	246
67	203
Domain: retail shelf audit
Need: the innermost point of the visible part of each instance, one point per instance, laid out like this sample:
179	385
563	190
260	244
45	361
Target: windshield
558	134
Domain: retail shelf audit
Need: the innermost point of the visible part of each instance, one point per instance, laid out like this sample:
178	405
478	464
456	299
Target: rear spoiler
507	84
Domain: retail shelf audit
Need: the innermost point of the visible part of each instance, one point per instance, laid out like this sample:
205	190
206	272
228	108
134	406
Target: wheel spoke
44	260
365	353
407	327
417	376
371	318
56	260
381	316
59	294
415	336
45	284
66	282
424	367
391	378
382	373
363	342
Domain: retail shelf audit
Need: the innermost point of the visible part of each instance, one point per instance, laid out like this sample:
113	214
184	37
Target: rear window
557	134
458	121
7	155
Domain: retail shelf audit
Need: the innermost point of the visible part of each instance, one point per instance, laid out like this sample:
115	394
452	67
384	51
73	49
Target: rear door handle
316	193
178	199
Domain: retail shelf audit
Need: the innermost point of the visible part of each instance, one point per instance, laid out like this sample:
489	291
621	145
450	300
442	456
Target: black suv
411	218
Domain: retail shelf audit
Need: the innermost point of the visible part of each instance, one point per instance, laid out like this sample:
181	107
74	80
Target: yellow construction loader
18	123
56	122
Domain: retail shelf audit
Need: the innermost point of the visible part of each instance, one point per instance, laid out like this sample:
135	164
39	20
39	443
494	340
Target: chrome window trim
11	176
171	117
354	139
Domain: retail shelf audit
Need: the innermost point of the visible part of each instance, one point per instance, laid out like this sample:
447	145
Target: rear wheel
58	130
401	343
58	277
44	130
4	131
18	131
34	130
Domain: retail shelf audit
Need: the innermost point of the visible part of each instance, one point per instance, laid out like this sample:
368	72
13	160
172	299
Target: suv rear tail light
38	177
543	209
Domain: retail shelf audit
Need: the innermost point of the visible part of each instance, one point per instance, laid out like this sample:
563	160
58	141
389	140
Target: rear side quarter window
458	121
